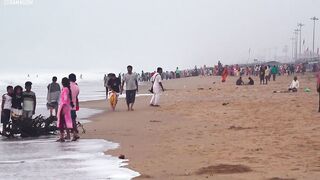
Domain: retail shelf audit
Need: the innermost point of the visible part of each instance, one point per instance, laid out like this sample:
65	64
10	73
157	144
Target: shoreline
193	134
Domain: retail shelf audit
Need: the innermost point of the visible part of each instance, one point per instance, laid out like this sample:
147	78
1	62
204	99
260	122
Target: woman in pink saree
64	122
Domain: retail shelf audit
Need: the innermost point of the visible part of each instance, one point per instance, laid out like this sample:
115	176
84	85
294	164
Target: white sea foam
46	159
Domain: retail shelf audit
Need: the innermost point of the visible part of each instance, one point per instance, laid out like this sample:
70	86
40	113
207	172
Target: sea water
43	158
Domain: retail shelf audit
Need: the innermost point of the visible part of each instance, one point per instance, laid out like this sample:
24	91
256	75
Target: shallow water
43	158
46	159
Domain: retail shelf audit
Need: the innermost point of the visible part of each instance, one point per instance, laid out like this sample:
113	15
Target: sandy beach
206	129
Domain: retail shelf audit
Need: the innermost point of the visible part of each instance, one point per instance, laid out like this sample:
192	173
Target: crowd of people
63	103
20	105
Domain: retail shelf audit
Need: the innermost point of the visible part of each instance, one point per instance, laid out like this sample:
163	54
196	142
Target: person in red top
224	74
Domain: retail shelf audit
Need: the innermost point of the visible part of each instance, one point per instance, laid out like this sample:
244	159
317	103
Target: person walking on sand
53	96
29	101
267	74
157	88
114	85
106	80
131	81
224	74
75	101
65	121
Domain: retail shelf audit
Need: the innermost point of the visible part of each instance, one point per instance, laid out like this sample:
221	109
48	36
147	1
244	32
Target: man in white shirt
157	88
294	85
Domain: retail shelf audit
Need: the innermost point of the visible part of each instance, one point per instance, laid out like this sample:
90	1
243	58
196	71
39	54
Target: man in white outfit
157	88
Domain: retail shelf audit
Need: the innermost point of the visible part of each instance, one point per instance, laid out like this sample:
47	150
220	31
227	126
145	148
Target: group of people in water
19	105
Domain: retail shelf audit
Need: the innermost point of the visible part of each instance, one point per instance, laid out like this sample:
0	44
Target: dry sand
217	131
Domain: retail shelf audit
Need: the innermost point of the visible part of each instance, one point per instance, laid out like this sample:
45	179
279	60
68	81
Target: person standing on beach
274	72
53	96
262	74
224	74
178	73
267	74
131	81
6	108
106	80
29	101
75	101
65	122
16	110
157	88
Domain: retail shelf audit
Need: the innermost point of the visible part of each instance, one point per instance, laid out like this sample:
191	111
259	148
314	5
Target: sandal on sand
75	138
67	137
60	140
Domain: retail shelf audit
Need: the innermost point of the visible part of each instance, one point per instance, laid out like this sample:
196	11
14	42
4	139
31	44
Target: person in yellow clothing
114	85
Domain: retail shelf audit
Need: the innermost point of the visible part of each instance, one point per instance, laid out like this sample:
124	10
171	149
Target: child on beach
6	108
251	82
64	122
16	110
114	85
239	81
29	101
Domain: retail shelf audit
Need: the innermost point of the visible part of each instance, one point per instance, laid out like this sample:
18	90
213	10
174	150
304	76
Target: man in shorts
131	81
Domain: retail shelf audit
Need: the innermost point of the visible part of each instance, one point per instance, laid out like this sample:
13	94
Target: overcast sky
107	35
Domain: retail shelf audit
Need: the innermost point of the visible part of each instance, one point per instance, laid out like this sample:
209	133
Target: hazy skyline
107	35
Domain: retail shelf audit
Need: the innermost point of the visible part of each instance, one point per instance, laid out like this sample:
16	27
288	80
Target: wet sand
206	130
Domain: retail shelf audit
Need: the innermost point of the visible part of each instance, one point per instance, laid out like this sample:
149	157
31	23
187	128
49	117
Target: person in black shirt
239	81
114	85
251	82
17	100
